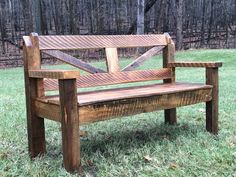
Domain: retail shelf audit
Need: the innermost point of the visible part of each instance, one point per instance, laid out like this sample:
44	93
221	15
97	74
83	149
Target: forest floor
140	145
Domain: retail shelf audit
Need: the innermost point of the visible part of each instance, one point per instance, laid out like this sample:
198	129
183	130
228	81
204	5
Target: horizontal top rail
71	42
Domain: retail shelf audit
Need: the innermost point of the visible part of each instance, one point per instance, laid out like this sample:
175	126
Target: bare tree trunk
28	20
3	25
72	18
44	23
37	16
210	21
140	16
179	24
203	23
148	6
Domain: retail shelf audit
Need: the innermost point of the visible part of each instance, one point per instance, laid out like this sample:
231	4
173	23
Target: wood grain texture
127	107
101	79
169	56
69	122
140	60
34	88
54	74
85	98
168	38
102	109
112	60
195	64
71	42
212	109
72	61
27	41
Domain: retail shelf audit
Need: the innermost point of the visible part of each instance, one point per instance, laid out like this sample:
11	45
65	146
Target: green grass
117	147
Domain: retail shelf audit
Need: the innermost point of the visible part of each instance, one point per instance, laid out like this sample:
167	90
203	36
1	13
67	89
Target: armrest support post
70	124
212	78
169	56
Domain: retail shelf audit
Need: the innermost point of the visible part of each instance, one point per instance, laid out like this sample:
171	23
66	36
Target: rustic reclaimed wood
140	60
69	121
54	74
72	61
95	106
69	42
168	56
212	78
112	60
102	79
34	88
195	64
91	97
72	109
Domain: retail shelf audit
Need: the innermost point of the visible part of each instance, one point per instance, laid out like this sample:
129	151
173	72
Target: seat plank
95	106
69	42
99	79
92	97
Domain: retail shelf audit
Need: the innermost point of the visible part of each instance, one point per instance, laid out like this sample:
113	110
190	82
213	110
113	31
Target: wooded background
192	23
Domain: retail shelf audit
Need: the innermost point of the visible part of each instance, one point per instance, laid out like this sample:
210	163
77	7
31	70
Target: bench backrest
34	45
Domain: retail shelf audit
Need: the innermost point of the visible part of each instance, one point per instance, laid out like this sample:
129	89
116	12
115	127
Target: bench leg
35	124
170	116
70	126
212	106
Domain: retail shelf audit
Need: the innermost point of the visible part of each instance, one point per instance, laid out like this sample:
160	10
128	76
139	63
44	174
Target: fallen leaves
83	133
3	155
173	166
147	158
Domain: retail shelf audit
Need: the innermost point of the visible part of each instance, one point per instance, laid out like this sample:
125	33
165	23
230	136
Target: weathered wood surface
91	97
54	74
33	89
113	78
140	60
212	109
72	61
71	42
195	64
69	121
94	106
72	109
112	60
169	56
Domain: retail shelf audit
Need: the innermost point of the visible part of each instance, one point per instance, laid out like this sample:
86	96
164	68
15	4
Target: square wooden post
212	78
70	124
168	56
33	89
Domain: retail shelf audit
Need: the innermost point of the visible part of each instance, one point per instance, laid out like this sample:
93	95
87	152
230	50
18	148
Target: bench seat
127	101
92	97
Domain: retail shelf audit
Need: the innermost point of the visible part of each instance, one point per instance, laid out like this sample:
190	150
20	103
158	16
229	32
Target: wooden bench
73	109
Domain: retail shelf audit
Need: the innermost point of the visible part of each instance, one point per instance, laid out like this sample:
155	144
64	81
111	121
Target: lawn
118	147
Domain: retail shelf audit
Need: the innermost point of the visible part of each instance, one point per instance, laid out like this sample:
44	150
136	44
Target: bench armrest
54	74
195	64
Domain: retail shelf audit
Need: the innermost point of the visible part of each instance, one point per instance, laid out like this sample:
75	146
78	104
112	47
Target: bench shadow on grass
127	141
124	141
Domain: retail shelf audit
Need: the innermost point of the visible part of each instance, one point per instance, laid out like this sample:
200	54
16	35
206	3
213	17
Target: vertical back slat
112	60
